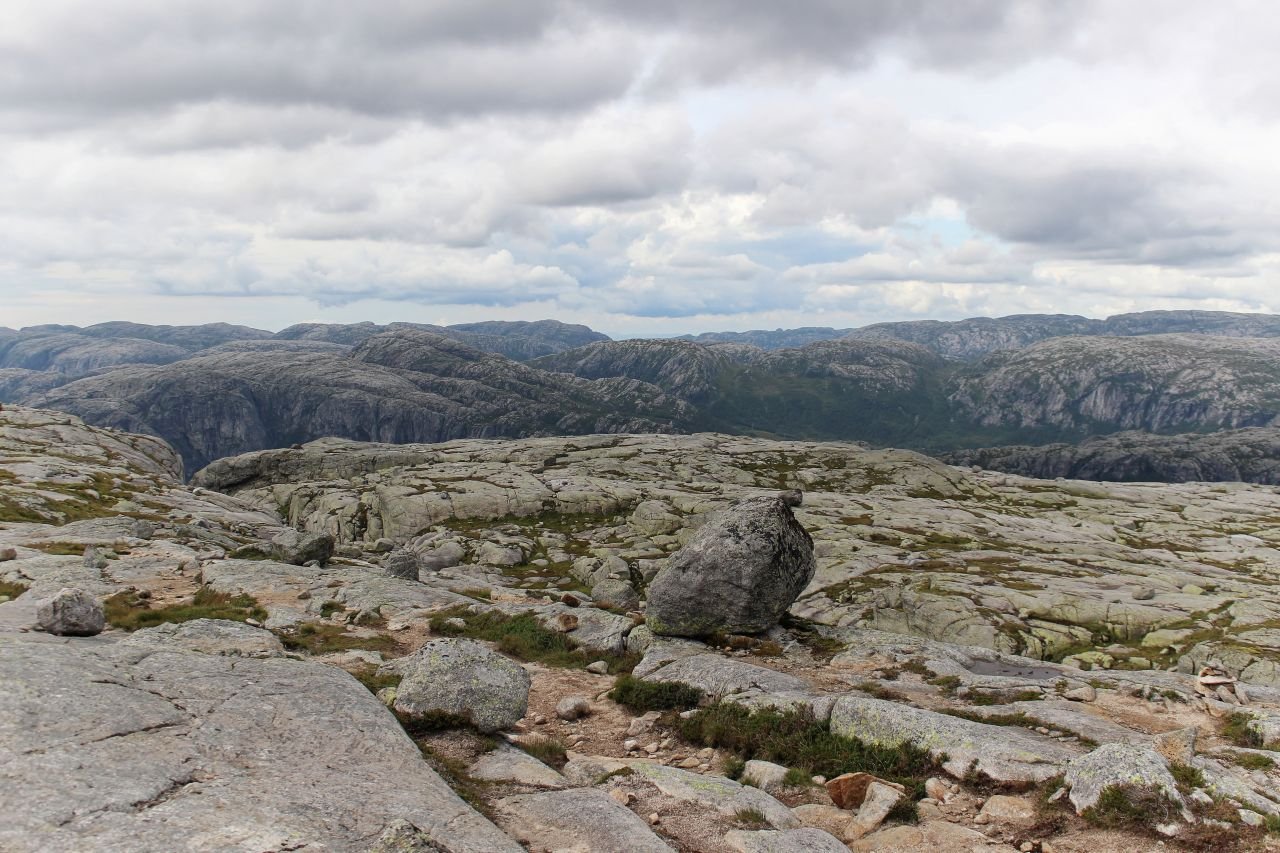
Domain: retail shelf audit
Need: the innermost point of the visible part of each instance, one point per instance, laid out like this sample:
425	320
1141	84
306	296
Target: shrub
796	739
639	696
12	589
1128	806
331	607
751	818
1253	761
550	751
318	638
525	638
130	610
1236	729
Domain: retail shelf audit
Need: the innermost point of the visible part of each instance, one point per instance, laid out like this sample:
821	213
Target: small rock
1083	693
652	749
827	818
7	554
848	790
765	775
566	622
689	763
878	801
654	819
982	819
621	797
402	564
1144	594
573	707
70	613
629	745
1251	818
570	600
1178	746
1006	809
937	789
598	668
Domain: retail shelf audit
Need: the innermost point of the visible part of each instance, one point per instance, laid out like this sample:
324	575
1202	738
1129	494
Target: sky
650	168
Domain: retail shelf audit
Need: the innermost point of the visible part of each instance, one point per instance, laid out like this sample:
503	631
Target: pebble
689	763
598	668
654	819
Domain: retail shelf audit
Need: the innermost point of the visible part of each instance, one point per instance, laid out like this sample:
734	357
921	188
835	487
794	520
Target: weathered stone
739	573
805	840
718	676
465	679
211	636
764	775
827	818
848	790
1003	753
616	593
7	554
583	819
1178	746
72	613
508	764
879	800
1120	764
402	564
176	750
724	795
1003	808
298	549
573	707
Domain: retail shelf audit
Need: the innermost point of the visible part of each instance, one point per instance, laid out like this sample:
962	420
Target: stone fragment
301	548
1178	746
1003	808
508	764
7	554
739	573
72	613
402	564
615	593
806	840
848	790
764	775
1083	693
937	789
465	679
879	800
573	707
585	819
827	818
598	667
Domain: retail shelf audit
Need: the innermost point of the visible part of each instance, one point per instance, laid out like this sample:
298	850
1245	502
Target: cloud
638	163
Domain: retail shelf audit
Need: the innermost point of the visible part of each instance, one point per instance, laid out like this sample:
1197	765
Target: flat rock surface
130	749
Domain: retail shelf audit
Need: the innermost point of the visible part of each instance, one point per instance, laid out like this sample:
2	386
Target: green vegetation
369	677
797	740
797	778
131	609
1253	761
551	751
317	639
331	607
524	637
12	589
639	696
751	818
1186	776
1127	806
1236	729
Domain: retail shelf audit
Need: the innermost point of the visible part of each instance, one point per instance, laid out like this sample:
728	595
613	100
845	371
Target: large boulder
301	548
1122	765
464	679
738	574
71	613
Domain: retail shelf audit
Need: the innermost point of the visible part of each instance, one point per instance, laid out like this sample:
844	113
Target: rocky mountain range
214	391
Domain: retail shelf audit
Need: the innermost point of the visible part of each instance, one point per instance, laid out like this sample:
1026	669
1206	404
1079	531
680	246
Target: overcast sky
646	168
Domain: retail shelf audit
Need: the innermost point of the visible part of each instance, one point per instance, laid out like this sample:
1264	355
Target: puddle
1035	673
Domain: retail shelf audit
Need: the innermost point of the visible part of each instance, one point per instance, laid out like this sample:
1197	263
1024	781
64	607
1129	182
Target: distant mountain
976	383
519	340
776	339
1249	455
402	386
978	336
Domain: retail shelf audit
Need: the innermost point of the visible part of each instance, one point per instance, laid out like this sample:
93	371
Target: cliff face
1156	383
1246	455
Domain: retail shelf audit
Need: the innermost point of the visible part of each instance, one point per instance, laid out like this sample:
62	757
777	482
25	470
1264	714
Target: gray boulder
301	548
738	574
1119	765
614	592
212	637
578	819
71	613
402	564
466	679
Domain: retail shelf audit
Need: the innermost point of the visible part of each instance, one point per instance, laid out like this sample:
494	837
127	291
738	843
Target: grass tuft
548	750
130	610
797	740
523	637
639	696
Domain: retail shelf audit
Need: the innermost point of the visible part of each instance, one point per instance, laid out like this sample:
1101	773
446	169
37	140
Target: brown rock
1178	746
566	622
1005	809
849	789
